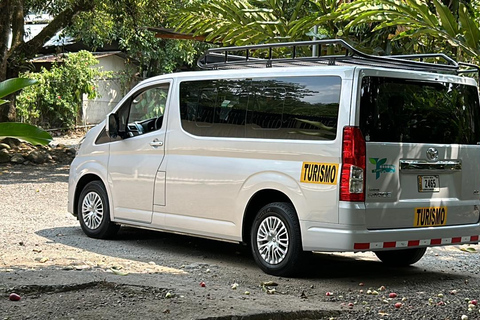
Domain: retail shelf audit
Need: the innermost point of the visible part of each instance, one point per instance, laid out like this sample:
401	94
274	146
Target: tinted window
399	110
270	108
143	112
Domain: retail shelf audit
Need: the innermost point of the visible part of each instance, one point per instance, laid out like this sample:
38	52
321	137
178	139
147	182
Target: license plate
430	217
428	183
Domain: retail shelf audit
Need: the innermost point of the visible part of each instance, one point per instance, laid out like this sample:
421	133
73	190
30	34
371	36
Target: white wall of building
110	91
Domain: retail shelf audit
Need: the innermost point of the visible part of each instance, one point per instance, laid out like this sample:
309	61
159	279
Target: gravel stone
17	158
4	156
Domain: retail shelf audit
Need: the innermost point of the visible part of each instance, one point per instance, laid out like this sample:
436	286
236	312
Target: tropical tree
14	50
20	131
430	23
125	22
96	22
253	21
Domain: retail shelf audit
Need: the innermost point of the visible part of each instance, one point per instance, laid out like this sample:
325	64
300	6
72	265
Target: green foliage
10	86
20	131
243	21
57	100
428	22
24	132
125	22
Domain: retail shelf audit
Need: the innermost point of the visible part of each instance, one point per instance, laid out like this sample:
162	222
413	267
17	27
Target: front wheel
276	240
401	258
94	212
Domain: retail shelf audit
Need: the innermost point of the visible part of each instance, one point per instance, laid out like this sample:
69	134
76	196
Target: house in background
110	90
110	59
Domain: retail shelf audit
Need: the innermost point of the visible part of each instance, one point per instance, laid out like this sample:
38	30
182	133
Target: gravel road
59	273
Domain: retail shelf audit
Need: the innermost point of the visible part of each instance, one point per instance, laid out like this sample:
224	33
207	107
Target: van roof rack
323	52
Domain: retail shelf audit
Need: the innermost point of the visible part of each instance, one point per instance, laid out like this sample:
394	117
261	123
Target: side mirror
112	125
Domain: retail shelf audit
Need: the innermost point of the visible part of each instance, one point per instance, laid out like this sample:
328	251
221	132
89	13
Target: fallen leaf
118	272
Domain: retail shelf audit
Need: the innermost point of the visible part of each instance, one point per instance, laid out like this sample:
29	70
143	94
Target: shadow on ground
33	174
177	250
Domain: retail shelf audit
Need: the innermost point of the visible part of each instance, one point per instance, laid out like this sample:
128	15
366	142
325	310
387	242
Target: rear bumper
337	237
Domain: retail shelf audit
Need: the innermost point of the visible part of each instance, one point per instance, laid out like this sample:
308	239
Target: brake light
352	184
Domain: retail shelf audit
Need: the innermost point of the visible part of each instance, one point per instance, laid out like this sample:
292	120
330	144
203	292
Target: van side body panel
209	180
203	184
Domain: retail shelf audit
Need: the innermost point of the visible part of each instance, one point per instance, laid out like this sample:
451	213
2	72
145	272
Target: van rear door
422	152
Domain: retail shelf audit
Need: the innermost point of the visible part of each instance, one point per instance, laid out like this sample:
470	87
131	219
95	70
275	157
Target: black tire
280	219
94	212
401	258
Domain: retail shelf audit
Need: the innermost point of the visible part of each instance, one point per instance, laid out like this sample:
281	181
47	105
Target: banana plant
20	131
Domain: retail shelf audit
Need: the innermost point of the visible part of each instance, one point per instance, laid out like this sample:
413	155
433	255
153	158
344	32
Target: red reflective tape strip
456	240
361	246
413	243
392	244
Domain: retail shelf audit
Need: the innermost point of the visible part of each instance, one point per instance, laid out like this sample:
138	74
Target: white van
292	154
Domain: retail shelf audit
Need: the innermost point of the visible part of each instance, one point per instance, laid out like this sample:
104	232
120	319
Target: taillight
352	184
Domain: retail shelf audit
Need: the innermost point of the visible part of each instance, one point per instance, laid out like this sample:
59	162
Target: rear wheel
401	258
276	240
94	212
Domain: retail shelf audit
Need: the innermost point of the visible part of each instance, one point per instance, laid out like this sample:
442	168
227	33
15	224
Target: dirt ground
59	273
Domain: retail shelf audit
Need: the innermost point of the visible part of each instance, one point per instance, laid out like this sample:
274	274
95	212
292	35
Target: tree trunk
5	23
12	18
4	36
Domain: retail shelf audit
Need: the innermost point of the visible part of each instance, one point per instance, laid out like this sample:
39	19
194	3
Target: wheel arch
84	180
256	202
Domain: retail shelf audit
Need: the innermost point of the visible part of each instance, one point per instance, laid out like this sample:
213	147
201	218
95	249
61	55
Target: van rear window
402	110
302	108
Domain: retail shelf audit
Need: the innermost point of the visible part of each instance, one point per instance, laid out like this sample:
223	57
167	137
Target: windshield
404	110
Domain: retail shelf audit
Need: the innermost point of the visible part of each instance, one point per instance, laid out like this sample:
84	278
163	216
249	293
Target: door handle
156	143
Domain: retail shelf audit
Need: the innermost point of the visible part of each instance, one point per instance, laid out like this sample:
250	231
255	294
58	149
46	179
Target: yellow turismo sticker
430	217
322	173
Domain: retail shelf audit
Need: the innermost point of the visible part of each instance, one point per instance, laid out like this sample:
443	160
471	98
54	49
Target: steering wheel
139	128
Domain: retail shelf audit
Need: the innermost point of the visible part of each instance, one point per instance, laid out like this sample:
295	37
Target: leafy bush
57	99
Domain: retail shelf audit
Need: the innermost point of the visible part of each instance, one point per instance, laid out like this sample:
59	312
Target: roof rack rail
327	51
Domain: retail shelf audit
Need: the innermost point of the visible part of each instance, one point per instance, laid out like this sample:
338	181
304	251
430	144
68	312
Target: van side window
146	110
302	108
